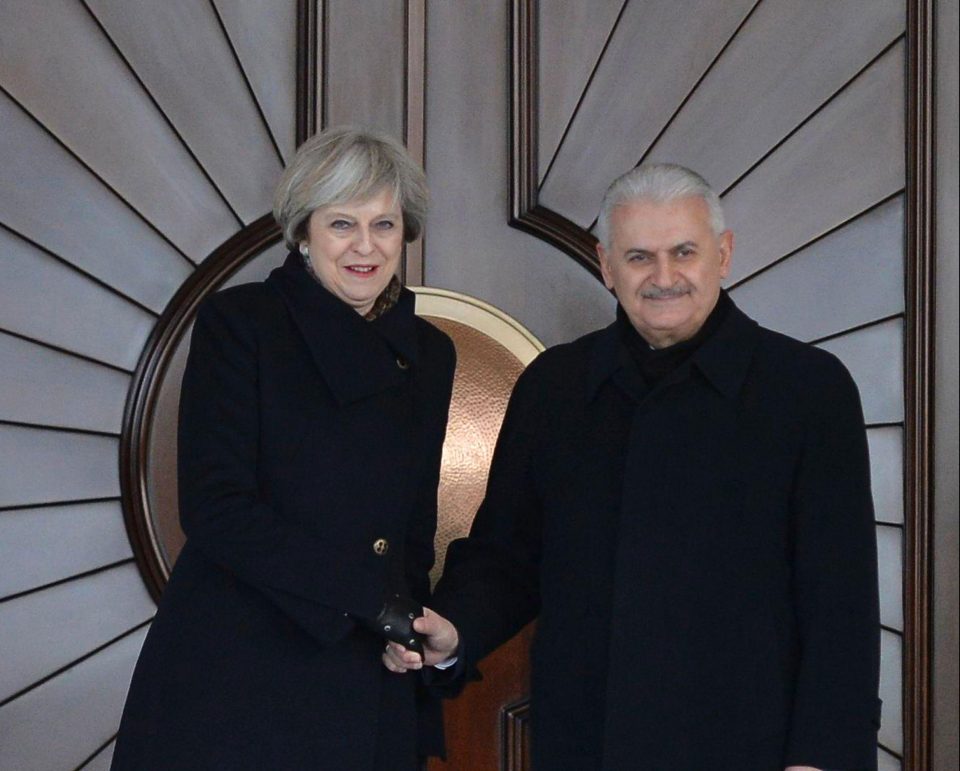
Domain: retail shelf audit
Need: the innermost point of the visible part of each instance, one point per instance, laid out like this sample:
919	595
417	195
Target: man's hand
440	644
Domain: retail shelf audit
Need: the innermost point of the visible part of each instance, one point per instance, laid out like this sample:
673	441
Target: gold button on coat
380	546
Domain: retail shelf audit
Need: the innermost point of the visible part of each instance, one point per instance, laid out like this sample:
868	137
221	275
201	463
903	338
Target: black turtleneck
656	363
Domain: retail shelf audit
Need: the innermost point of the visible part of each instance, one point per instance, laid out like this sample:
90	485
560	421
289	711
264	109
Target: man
683	500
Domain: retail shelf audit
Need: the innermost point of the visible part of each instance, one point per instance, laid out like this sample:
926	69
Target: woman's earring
304	250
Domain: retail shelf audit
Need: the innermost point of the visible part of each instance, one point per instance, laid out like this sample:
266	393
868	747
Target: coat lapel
357	358
723	358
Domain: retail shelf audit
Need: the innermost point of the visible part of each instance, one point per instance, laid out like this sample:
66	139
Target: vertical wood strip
414	128
525	212
309	69
918	386
515	736
523	107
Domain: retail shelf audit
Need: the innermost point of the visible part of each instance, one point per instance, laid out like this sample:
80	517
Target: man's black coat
306	435
701	557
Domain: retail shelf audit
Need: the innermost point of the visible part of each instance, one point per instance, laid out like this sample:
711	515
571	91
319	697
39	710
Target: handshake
416	636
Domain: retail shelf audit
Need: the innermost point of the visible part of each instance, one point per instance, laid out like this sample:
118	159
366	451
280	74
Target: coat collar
723	359
357	358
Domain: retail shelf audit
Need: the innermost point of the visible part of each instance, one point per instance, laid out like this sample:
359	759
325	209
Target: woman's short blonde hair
348	164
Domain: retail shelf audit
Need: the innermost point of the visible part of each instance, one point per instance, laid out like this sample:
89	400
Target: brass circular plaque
486	372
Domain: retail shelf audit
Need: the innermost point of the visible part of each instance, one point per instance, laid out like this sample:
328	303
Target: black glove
395	622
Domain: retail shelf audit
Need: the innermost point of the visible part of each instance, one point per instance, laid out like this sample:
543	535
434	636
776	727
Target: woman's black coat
307	436
701	556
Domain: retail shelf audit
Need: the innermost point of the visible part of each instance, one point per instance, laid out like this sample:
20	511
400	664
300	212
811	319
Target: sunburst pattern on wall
137	137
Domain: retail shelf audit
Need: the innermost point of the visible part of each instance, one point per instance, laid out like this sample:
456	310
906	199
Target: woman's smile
362	271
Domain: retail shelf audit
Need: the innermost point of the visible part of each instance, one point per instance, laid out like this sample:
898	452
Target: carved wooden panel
57	63
79	710
845	159
571	41
783	65
637	85
374	71
263	35
60	205
42	386
891	688
748	76
890	557
478	721
43	545
104	325
789	294
515	735
31	627
101	759
886	472
44	466
874	356
182	54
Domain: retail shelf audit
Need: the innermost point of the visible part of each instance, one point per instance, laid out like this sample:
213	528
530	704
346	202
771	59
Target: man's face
665	265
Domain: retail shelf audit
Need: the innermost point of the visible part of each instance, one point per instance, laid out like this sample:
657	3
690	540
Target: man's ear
604	266
726	252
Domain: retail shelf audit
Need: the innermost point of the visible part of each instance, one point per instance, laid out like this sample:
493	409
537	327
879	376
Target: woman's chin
361	299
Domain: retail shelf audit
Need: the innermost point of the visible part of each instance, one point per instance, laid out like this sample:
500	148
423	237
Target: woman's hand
440	644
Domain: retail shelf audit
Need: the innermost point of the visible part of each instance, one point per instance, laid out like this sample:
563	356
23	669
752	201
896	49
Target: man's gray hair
660	183
346	164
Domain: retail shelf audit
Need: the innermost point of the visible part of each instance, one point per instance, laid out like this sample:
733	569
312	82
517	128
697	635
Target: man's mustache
657	293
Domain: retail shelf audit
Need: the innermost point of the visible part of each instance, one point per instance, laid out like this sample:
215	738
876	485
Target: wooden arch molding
526	213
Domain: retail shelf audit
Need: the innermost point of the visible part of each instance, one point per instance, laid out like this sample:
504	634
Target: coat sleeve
490	587
835	708
422	527
222	510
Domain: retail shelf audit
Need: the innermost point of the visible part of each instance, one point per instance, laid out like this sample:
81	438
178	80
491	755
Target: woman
312	414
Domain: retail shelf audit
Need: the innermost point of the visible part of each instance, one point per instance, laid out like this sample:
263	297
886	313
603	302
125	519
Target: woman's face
355	247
